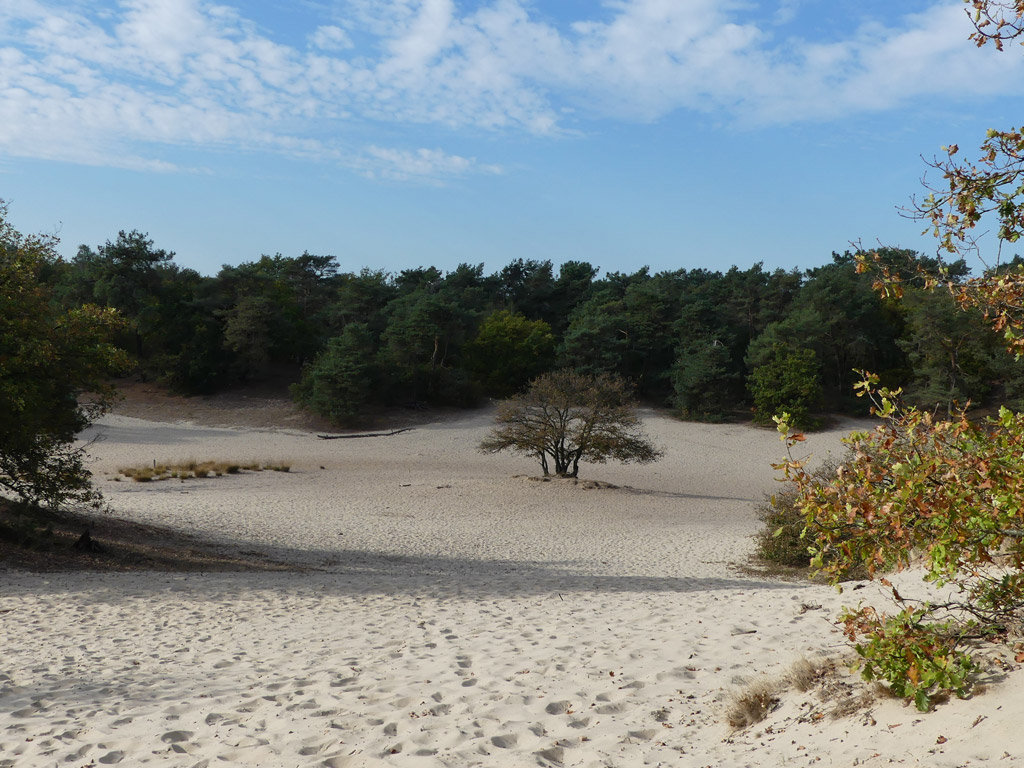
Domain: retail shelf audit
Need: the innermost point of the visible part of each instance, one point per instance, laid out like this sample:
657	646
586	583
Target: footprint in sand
355	761
554	755
505	741
558	707
174	737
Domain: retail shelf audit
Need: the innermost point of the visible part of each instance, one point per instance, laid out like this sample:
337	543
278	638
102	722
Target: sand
448	610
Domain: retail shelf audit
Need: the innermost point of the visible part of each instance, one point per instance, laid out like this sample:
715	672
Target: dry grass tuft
757	700
192	468
753	703
805	674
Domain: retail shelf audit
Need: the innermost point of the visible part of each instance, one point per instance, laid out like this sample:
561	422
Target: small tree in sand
572	417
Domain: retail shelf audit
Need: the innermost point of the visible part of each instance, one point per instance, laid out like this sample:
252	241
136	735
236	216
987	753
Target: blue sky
398	133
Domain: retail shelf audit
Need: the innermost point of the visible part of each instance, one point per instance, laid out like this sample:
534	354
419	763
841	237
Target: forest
711	345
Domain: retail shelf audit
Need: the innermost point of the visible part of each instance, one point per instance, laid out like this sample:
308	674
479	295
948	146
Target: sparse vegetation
191	468
755	701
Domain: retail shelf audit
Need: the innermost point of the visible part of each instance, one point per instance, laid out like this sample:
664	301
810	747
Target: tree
338	384
125	275
702	381
508	351
49	358
276	312
247	332
972	192
572	417
954	357
787	381
426	329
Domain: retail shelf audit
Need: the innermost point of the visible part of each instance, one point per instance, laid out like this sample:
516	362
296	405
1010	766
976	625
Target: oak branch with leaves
988	188
950	491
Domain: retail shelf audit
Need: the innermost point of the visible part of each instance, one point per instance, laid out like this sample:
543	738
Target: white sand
454	615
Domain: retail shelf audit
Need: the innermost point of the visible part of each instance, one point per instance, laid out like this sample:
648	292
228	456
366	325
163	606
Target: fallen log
366	434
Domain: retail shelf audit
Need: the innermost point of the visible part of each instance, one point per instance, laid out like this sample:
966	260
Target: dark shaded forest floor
263	405
259	405
49	545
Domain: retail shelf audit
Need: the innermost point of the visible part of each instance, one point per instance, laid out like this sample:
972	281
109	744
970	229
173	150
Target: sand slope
453	615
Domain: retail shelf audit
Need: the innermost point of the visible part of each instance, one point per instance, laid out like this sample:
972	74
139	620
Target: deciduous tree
508	351
571	417
49	359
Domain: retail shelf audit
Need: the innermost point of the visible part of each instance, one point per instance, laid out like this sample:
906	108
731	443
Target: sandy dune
453	612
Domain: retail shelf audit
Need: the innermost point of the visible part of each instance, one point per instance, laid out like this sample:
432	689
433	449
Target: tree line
708	343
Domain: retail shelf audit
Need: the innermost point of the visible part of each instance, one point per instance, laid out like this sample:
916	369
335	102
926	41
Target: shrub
789	381
786	537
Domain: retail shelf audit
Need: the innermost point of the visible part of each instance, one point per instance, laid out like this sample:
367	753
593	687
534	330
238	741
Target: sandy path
459	617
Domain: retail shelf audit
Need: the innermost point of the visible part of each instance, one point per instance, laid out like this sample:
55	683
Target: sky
402	133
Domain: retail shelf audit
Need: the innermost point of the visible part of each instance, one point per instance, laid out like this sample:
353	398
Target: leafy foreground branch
947	494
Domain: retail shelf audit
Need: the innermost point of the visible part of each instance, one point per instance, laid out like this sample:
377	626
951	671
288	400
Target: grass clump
758	699
192	468
753	703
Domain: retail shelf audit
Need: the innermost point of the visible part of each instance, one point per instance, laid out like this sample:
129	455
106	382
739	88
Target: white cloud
126	87
787	11
331	38
427	165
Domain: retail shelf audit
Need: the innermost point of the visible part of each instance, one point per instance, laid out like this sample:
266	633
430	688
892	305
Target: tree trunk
576	463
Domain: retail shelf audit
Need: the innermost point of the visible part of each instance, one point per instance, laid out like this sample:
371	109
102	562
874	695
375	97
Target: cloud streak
130	84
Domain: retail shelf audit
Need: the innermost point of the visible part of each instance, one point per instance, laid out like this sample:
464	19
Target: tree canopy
54	370
571	417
